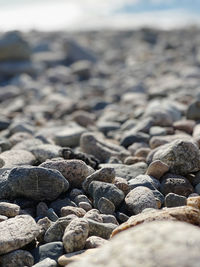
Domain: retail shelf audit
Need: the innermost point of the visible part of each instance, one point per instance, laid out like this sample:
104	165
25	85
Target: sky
93	14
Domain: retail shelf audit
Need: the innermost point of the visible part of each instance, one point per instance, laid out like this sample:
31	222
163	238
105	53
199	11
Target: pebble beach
100	148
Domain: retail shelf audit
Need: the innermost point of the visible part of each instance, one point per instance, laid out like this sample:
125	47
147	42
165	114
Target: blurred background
92	14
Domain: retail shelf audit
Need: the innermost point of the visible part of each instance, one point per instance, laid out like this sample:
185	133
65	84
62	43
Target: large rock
181	156
164	244
17	258
33	182
13	47
17	232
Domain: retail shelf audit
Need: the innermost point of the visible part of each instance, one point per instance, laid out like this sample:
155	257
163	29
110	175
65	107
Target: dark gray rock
174	200
133	137
103	230
109	191
17	258
59	203
105	206
144	180
193	111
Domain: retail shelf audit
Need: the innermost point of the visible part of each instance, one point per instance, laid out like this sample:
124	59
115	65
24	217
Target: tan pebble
142	152
157	169
194	202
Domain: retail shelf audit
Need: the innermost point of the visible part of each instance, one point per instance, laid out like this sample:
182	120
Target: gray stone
109	191
51	250
17	232
105	206
109	218
193	111
127	172
56	231
76	234
69	137
46	151
103	230
75	171
72	210
180	240
46	263
95	242
59	203
174	200
132	137
12	158
181	156
9	209
174	183
157	169
35	183
144	180
106	175
17	258
139	199
94	215
52	215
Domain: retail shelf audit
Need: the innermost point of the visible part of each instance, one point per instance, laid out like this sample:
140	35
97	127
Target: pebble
17	232
174	200
95	242
139	199
47	263
46	151
76	234
79	212
157	169
17	258
103	230
9	209
105	206
75	171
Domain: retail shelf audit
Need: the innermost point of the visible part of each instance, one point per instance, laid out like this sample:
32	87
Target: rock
81	198
108	218
69	137
132	137
52	215
12	158
121	217
157	131
102	230
17	232
9	209
46	151
95	242
173	183
181	156
82	69
100	148
56	231
44	225
35	183
142	152
157	141
127	172
13	47
193	111
106	175
189	214
17	258
72	210
84	205
75	171
174	200
139	199
185	126
41	209
144	180
94	215
59	203
47	263
75	235
83	118
157	169
109	191
51	250
105	206
153	253
122	184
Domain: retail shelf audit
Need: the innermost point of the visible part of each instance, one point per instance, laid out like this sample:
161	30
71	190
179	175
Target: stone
82	69
83	118
122	184
121	217
81	198
47	263
35	183
9	209
69	137
174	200
184	125
102	230
17	232
157	169
75	235
142	152
174	183
172	237
127	172
188	214
109	218
12	158
193	111
144	180
100	148
51	250
14	47
59	203
111	192
139	199
95	242
17	258
75	192
45	151
194	201
94	215
84	205
105	206
52	215
181	156
106	175
75	171
72	210
56	230
41	209
131	137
